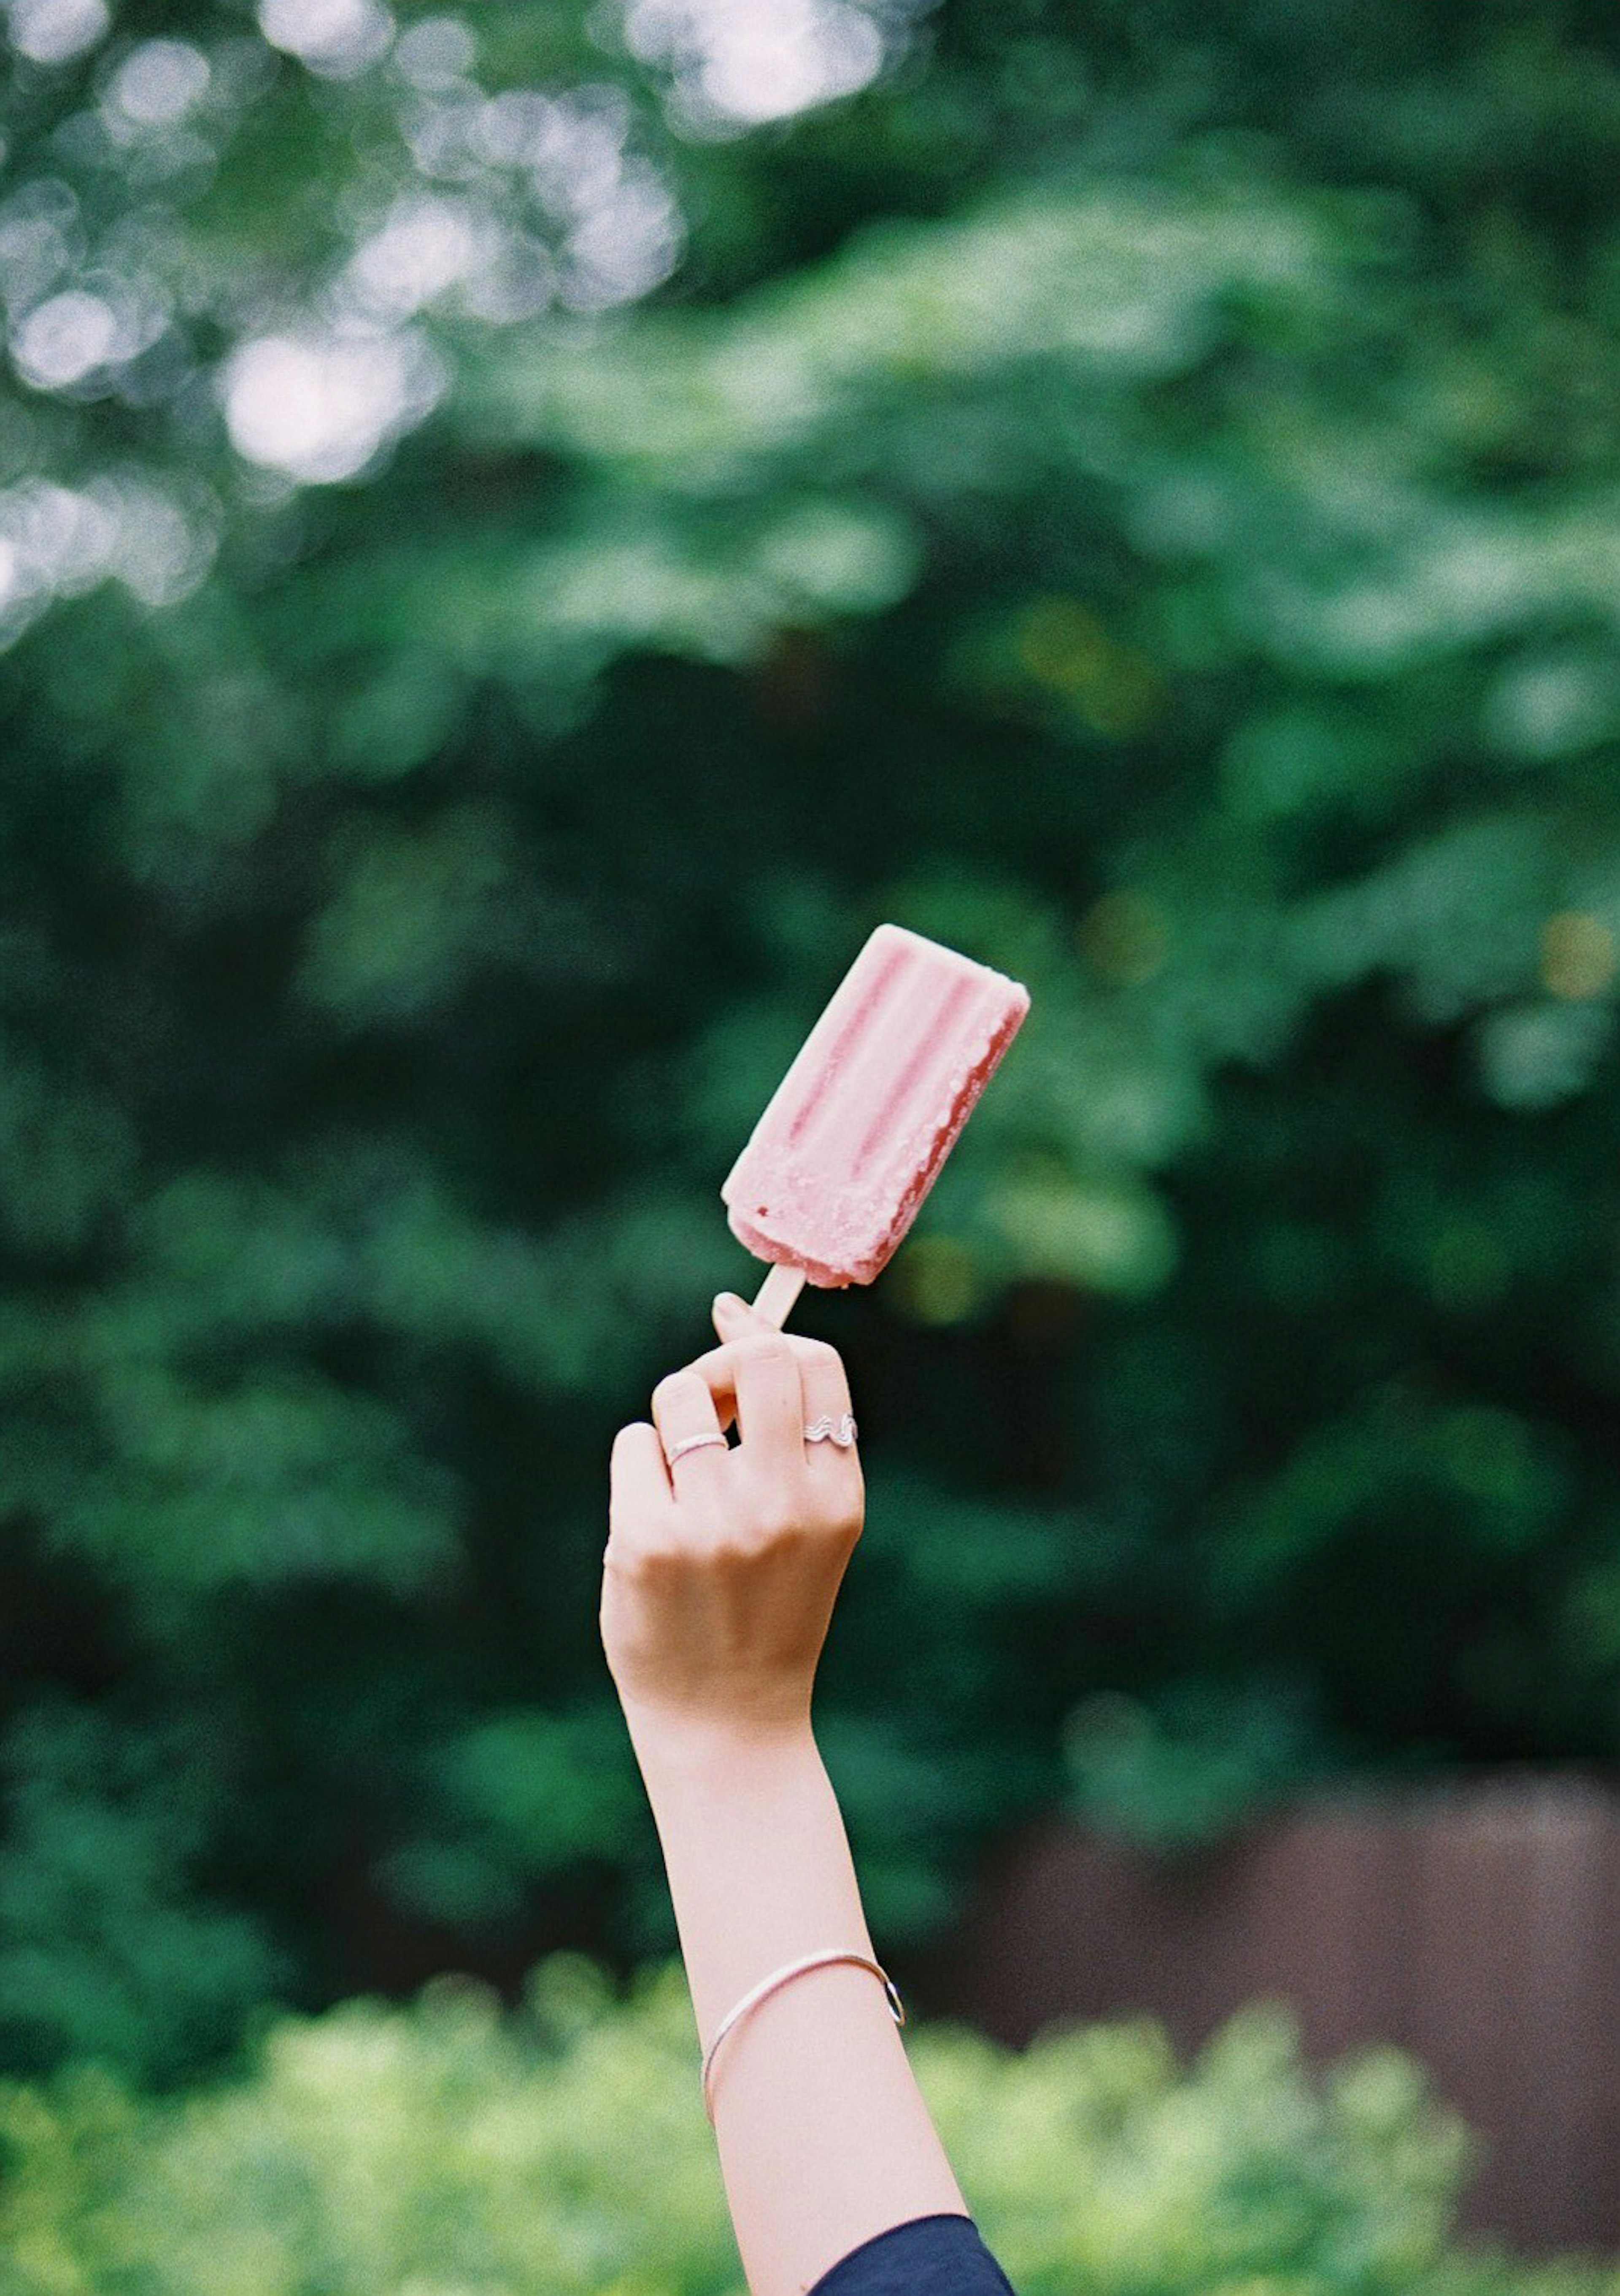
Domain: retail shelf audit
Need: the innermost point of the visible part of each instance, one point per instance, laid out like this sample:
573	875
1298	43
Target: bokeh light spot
1579	957
63	341
1125	937
1060	644
936	1280
734	60
55	31
159	82
333	37
319	411
435	53
1063	646
425	244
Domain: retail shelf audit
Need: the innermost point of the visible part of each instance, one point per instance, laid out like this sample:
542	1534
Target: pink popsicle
855	1132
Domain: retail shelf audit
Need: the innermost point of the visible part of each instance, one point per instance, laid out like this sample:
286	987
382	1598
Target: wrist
684	1750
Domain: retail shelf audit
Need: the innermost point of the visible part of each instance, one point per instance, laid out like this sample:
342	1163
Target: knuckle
842	1514
715	1519
648	1561
776	1520
631	1526
821	1353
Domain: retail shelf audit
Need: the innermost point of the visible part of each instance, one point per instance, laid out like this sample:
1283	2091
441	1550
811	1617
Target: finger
756	1380
638	1481
734	1318
833	1465
825	1382
826	1388
636	1473
717	1368
683	1405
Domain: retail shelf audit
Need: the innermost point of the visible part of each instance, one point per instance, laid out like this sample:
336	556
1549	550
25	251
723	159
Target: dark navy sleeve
929	2256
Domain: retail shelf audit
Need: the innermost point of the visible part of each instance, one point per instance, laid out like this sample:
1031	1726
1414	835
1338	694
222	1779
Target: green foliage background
377	2148
1133	493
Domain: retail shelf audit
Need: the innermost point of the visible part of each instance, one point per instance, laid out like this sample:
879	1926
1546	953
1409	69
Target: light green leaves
445	2147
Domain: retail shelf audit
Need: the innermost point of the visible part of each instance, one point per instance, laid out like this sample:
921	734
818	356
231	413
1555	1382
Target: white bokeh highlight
336	38
319	410
56	31
736	62
66	337
159	82
437	52
58	541
513	203
424	245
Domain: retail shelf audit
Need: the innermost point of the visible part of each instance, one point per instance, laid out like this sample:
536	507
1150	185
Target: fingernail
727	1303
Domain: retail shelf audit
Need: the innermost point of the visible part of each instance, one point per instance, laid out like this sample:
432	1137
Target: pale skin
719	1583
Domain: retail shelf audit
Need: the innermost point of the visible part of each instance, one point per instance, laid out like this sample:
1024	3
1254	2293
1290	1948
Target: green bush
449	2148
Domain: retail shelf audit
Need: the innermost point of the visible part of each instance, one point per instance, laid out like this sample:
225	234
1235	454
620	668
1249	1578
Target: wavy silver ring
841	1431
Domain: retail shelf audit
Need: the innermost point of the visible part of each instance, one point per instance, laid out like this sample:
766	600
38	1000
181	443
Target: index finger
718	1367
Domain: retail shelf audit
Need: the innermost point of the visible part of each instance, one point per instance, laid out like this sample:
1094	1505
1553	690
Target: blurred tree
522	536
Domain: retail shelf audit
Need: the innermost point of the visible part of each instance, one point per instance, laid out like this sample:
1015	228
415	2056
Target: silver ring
841	1431
825	1430
691	1443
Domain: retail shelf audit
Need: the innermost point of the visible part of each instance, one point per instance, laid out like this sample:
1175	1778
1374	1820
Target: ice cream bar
857	1130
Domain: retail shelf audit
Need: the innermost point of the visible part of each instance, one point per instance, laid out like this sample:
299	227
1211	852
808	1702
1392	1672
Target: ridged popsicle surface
855	1134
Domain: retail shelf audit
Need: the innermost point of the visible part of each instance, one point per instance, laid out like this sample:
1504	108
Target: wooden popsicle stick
775	1296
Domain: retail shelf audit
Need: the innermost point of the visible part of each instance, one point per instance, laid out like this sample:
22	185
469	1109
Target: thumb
734	1318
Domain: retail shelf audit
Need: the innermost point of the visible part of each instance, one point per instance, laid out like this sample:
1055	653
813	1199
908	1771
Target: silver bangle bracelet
768	1985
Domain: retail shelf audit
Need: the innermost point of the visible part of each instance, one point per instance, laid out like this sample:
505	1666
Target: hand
721	1572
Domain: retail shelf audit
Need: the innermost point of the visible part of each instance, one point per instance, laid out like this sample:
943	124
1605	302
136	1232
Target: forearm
823	2137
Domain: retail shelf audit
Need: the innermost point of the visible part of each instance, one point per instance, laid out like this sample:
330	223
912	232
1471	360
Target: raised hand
721	1569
